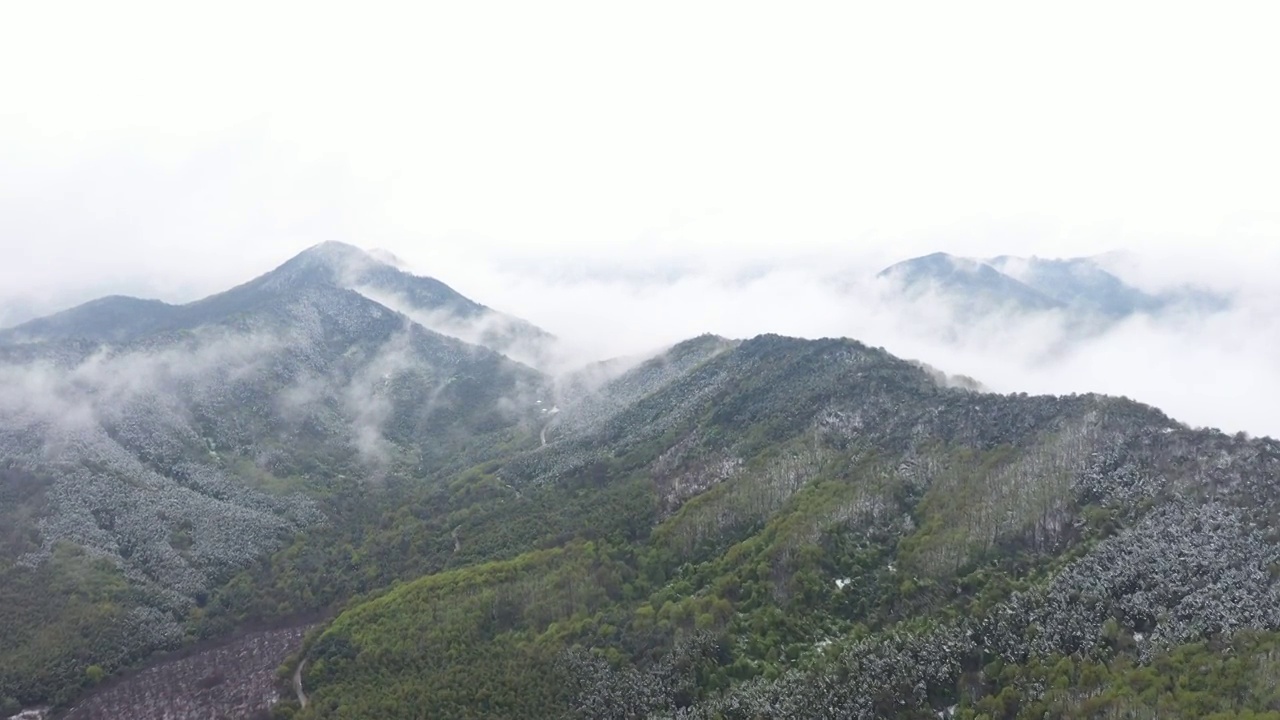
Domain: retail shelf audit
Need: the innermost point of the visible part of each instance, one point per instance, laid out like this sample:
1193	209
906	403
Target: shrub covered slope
768	528
830	533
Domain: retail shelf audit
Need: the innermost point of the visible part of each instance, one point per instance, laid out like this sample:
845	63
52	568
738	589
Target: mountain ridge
769	527
158	465
977	281
121	318
1080	289
861	517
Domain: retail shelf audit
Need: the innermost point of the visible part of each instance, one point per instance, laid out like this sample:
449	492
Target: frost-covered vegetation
846	537
143	473
771	528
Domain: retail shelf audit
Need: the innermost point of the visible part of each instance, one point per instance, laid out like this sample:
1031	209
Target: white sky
560	159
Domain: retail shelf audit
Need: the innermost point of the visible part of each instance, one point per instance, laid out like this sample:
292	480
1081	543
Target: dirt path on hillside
297	684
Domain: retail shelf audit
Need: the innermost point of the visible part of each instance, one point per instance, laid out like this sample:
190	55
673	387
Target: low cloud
504	333
1205	368
366	398
74	394
633	298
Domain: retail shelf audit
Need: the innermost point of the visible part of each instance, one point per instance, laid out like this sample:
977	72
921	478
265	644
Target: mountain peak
1083	288
935	265
980	285
331	262
327	270
335	251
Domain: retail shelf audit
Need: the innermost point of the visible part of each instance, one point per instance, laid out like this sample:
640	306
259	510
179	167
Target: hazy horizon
626	178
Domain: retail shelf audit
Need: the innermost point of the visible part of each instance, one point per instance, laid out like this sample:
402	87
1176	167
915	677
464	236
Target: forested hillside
138	475
760	528
838	536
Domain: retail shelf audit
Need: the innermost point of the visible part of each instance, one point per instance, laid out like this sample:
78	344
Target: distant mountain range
1081	289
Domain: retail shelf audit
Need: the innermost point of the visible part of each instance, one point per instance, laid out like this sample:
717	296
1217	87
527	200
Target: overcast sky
564	160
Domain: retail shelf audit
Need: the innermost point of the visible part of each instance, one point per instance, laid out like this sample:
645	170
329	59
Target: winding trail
551	420
297	684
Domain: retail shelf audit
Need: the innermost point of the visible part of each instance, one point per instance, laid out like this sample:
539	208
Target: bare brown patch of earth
234	678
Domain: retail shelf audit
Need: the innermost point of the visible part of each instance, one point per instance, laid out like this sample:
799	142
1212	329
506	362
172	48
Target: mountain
147	456
1081	289
1080	284
978	285
430	303
733	528
799	529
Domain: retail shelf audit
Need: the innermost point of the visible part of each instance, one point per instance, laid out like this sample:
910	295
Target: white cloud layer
630	176
1216	369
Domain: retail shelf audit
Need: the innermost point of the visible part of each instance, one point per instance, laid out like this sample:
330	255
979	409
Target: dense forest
768	528
967	565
